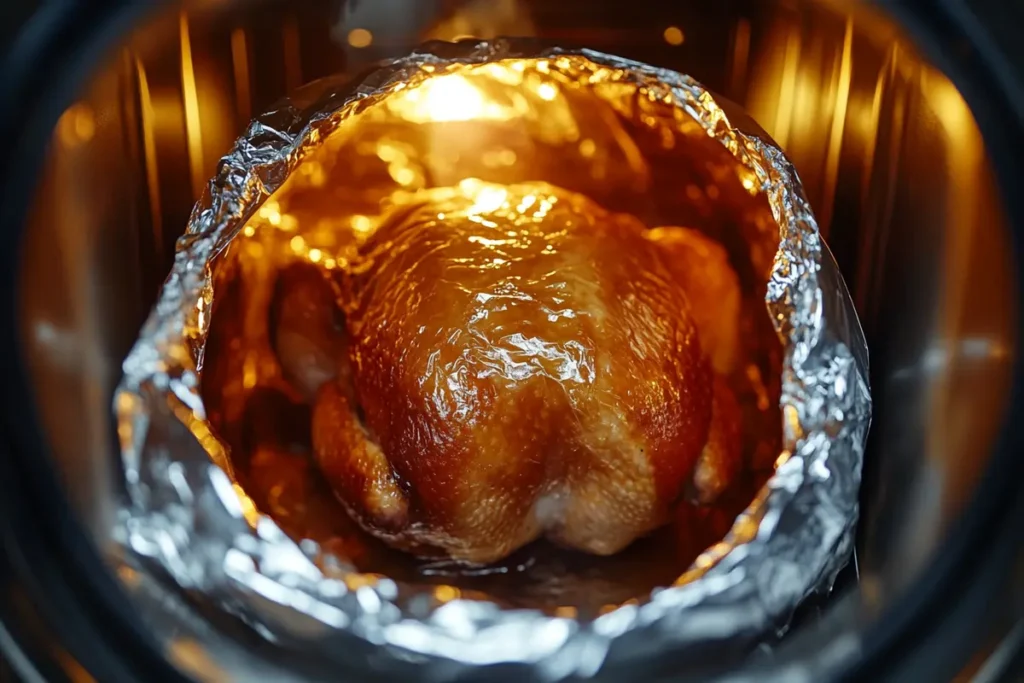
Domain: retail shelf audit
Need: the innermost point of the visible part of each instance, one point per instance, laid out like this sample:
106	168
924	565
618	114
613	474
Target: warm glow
674	35
740	54
362	225
193	120
249	510
446	593
447	98
77	125
546	91
486	198
271	212
360	37
240	64
948	105
147	116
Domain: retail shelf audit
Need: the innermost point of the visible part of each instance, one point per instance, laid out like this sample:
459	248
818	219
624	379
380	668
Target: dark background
13	14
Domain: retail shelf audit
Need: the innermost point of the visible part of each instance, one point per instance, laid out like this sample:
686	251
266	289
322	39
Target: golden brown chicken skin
521	363
702	268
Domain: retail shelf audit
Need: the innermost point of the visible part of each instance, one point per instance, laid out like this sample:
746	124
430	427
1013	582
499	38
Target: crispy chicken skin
519	363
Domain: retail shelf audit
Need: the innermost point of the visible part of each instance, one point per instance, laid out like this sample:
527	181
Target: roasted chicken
506	363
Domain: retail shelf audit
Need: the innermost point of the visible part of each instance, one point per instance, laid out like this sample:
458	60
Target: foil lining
186	517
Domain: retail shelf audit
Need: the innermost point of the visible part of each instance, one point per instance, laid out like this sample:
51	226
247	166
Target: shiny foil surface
188	517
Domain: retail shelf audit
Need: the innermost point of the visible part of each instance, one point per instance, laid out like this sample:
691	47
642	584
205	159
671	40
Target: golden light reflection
77	125
743	531
949	106
126	404
869	122
842	86
450	98
673	35
740	55
749	181
447	593
128	576
787	88
356	581
360	38
272	214
314	172
783	458
499	158
487	198
756	380
193	120
240	64
547	91
251	370
148	121
362	224
249	510
403	175
200	429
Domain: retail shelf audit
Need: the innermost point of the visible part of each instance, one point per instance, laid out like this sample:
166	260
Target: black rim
59	593
966	574
60	575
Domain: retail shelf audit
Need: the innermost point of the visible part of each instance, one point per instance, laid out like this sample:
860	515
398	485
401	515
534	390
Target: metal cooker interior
889	153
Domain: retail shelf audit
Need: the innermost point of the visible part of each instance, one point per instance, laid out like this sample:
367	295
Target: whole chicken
514	362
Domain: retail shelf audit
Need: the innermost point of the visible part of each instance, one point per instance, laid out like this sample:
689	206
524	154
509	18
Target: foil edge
182	508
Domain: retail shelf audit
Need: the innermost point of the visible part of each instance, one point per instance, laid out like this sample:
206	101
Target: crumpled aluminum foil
185	516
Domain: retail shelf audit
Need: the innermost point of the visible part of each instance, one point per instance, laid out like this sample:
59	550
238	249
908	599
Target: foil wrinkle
185	515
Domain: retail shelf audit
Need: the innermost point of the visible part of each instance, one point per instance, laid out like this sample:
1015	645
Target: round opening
891	157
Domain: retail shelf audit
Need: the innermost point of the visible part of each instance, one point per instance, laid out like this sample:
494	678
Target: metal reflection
843	78
740	56
240	65
780	129
193	121
148	124
292	52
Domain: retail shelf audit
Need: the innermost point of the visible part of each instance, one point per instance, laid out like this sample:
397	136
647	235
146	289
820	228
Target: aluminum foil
188	519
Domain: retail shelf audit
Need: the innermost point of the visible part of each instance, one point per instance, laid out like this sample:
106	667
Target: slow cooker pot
905	121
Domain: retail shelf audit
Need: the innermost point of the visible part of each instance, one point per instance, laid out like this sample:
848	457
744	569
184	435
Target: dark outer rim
57	569
59	593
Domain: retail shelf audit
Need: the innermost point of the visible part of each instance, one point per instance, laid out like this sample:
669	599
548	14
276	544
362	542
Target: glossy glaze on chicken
506	363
